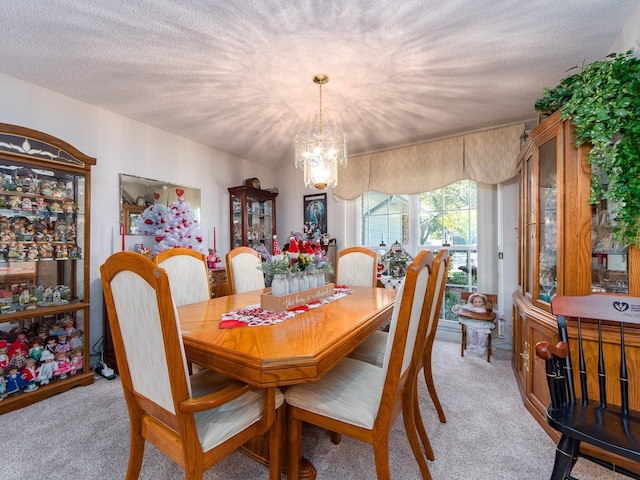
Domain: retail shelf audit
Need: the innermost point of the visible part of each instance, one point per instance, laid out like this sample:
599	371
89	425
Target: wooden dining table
299	350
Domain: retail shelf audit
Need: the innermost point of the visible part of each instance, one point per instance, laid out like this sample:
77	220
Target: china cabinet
253	217
565	248
44	266
130	213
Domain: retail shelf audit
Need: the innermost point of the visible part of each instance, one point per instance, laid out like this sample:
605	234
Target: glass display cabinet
565	248
44	266
252	216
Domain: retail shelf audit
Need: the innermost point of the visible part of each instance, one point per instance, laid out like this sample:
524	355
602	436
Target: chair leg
428	378
566	457
489	347
381	454
275	439
335	437
412	426
463	346
294	445
419	426
136	451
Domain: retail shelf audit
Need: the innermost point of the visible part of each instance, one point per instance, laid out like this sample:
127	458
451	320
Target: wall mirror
137	192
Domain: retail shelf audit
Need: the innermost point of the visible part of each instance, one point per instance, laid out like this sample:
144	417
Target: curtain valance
486	157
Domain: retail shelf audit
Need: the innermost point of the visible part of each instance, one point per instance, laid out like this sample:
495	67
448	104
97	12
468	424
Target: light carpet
84	433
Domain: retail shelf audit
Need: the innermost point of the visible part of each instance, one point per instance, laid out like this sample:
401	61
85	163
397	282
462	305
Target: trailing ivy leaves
603	103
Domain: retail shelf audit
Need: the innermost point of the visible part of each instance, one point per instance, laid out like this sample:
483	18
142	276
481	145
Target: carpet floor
84	433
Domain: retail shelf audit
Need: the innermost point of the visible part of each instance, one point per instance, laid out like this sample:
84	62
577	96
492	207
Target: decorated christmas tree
151	220
173	226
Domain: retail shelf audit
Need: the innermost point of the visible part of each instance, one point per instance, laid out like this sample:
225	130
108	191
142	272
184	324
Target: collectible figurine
63	344
76	339
29	374
50	346
13	380
4	357
3	385
36	349
77	361
63	366
47	367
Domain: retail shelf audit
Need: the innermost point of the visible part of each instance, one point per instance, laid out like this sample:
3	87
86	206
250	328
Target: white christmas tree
173	226
151	220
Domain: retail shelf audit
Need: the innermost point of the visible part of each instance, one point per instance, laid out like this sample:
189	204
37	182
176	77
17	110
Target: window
446	217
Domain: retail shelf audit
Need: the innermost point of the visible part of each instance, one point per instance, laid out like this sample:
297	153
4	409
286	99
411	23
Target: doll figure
4	357
14	202
29	374
69	327
50	344
63	344
3	385
63	366
478	303
55	329
47	367
36	349
13	380
77	361
212	259
76	339
40	205
26	205
17	354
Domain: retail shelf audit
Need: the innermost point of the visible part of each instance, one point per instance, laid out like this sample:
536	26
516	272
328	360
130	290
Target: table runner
256	316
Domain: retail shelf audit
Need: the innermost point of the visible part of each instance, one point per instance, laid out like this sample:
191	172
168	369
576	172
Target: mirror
137	192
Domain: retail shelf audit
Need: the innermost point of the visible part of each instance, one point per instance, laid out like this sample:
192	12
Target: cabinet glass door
609	261
259	222
547	221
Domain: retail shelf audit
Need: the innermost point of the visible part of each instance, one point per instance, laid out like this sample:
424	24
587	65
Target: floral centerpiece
302	265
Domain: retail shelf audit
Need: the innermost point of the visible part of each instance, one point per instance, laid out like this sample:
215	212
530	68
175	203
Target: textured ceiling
237	74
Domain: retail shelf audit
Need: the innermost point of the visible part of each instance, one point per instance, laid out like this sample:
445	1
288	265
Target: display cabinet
44	266
252	216
130	213
565	248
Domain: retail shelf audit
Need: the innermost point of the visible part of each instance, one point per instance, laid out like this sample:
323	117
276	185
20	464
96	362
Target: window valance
485	157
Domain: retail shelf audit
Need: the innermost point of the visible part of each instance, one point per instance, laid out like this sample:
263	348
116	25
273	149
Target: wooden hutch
565	248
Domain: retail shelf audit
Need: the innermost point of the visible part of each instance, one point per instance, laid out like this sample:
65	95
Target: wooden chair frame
174	433
604	420
189	283
399	387
342	254
229	262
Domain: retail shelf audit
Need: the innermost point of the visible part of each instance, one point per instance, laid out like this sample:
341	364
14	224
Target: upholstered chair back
243	270
357	267
188	274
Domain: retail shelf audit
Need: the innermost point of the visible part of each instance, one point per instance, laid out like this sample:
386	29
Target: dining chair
188	274
357	267
244	270
373	349
361	400
195	420
188	278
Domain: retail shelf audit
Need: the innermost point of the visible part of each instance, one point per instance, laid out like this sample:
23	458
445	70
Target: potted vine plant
603	103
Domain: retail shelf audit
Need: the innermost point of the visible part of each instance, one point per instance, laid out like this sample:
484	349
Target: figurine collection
50	352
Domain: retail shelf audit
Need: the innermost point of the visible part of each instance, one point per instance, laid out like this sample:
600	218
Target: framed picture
315	214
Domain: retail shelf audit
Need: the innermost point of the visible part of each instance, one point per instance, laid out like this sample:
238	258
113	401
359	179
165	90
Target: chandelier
320	152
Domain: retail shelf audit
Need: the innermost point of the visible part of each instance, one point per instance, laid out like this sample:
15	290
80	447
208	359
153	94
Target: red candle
214	238
122	230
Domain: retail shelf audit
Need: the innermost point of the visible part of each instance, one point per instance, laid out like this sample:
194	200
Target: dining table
299	349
